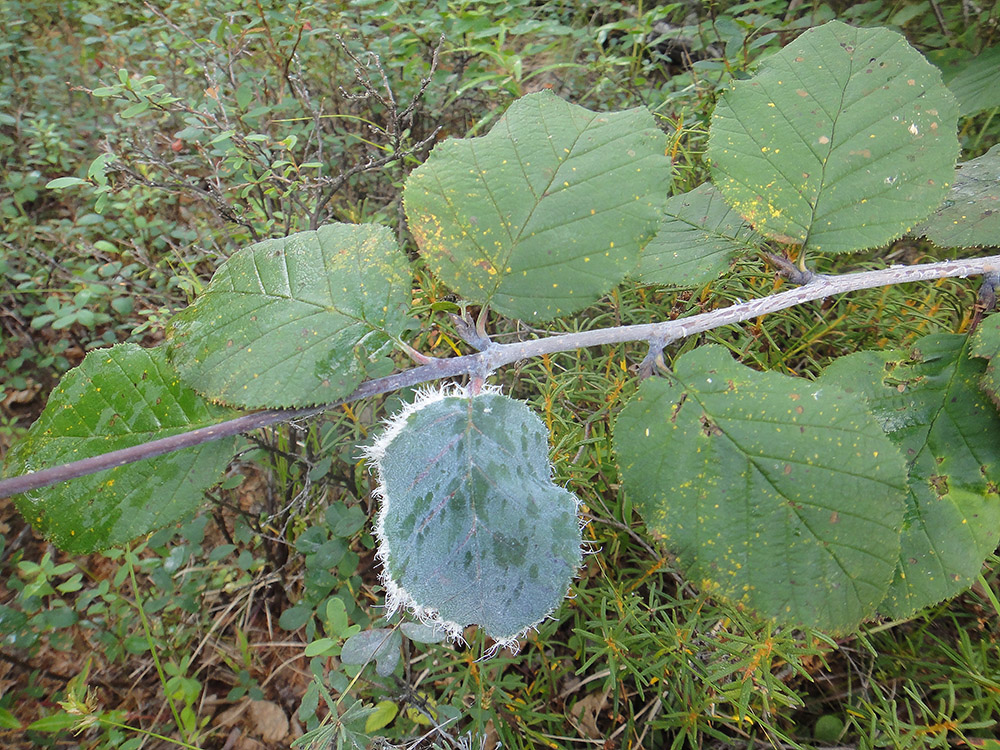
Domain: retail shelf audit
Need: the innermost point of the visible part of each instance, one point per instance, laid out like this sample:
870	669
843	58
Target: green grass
638	657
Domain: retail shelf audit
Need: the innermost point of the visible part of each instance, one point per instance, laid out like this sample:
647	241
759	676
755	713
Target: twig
498	355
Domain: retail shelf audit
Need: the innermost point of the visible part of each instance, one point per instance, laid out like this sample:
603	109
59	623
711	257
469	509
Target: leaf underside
544	214
696	239
472	530
929	403
295	321
970	215
118	398
773	493
842	141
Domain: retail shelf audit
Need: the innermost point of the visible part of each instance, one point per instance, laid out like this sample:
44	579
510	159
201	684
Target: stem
129	558
497	355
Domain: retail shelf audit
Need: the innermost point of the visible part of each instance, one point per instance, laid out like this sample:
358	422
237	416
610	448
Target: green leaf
842	141
320	646
295	321
773	492
380	644
545	213
986	344
928	401
64	182
471	528
385	712
973	79
970	215
117	398
58	722
698	236
8	720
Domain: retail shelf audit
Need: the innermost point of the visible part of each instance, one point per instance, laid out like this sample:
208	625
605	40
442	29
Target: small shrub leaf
970	215
842	141
117	398
380	644
545	213
295	321
697	237
471	529
928	402
772	492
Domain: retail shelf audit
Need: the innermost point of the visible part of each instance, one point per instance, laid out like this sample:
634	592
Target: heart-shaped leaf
545	213
697	237
295	321
841	141
773	492
929	404
471	529
117	398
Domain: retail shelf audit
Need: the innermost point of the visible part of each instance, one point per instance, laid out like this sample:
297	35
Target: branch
495	355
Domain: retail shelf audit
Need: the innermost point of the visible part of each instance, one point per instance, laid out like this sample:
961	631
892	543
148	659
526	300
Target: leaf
973	79
773	493
385	712
295	321
380	644
970	216
697	237
986	344
421	633
117	398
545	213
929	404
842	141
58	722
471	528
64	182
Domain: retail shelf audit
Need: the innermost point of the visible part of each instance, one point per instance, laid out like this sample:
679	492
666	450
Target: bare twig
497	355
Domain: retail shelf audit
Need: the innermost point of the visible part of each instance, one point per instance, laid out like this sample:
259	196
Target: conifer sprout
471	528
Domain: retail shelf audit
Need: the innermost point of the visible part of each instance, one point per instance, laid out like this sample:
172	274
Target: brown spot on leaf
939	484
709	427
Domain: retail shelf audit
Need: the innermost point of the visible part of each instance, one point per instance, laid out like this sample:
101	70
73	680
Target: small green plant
816	502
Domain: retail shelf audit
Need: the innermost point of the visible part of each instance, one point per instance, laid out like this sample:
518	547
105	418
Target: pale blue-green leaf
472	529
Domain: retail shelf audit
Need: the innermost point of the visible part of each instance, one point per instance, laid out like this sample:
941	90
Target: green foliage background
229	126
